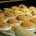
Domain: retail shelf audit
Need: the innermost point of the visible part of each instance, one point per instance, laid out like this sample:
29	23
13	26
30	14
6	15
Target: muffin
29	15
2	16
33	16
22	6
31	8
33	20
17	12
27	24
4	26
14	22
26	11
33	12
10	15
7	10
14	8
22	17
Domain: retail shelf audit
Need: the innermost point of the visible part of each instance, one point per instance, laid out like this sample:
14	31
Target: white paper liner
31	29
5	28
16	24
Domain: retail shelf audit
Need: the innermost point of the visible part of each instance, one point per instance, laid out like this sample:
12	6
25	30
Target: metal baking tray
9	4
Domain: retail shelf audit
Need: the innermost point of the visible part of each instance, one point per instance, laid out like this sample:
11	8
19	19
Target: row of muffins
14	11
18	15
14	23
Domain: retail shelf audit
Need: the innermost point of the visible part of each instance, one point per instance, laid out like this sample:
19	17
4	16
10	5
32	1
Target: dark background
26	2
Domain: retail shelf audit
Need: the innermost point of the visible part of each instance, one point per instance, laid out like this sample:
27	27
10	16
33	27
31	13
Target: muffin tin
10	4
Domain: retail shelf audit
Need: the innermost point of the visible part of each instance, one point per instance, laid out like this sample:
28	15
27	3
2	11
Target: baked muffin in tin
14	22
21	17
2	16
4	26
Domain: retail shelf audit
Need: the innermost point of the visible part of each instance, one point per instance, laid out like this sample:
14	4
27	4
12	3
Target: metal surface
7	33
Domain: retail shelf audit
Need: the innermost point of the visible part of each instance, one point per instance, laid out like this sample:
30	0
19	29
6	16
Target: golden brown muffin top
27	24
10	14
31	8
2	16
3	24
12	21
21	17
33	20
6	9
14	7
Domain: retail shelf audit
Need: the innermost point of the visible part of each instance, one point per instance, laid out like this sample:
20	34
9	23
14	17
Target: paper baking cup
5	28
16	24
